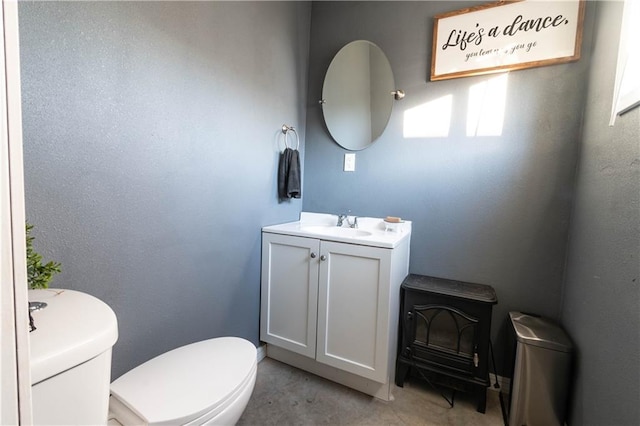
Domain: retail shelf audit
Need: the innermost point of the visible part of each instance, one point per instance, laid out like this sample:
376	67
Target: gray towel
289	175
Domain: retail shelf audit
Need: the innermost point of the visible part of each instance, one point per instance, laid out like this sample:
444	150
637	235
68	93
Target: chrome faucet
343	217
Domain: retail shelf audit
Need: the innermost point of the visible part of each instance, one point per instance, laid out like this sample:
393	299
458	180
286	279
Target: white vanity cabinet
331	307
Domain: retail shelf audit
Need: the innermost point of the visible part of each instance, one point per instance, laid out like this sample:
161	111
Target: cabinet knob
313	255
323	257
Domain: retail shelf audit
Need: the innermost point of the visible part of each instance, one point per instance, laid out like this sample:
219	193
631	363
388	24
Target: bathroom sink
336	231
371	231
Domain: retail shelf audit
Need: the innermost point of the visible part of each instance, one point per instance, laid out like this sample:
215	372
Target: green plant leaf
38	275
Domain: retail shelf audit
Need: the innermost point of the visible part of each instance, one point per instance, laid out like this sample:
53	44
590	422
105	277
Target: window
626	94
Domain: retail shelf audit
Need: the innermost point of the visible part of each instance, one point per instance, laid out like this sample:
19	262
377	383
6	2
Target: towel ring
286	129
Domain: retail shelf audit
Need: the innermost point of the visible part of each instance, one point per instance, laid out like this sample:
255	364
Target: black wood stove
445	328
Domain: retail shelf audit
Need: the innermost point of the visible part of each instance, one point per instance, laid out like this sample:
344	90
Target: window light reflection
485	113
431	119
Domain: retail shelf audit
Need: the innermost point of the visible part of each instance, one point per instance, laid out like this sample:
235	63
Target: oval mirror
357	95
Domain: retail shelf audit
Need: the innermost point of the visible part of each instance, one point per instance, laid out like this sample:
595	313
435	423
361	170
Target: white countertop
370	232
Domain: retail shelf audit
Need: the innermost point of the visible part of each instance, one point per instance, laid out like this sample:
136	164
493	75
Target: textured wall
150	142
488	209
601	308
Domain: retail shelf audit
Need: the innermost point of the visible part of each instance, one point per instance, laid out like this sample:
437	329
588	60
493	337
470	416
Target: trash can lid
538	331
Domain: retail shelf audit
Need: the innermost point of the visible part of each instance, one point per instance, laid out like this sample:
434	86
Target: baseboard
262	351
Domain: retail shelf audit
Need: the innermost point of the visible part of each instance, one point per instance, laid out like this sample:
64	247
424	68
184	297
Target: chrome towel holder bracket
285	130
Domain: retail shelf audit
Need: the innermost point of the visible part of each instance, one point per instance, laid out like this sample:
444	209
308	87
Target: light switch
350	162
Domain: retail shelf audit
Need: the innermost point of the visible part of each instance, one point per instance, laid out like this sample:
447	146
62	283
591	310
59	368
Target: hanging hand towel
294	189
289	175
283	169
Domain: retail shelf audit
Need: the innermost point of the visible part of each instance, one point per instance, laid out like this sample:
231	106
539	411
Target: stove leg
402	370
482	399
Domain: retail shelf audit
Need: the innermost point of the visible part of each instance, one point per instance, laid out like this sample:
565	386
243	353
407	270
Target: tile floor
285	395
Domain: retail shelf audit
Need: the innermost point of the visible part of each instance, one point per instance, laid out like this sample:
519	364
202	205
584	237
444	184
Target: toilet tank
70	358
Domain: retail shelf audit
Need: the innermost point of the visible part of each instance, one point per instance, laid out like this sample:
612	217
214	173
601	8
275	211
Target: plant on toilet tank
38	275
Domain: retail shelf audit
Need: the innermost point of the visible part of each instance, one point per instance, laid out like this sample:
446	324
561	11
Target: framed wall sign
507	35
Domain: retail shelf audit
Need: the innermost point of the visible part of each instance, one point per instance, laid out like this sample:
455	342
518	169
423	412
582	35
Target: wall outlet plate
350	162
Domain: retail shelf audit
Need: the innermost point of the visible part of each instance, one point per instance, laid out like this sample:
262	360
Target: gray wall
151	146
601	307
491	209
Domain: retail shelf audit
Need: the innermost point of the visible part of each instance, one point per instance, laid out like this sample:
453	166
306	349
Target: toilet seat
188	385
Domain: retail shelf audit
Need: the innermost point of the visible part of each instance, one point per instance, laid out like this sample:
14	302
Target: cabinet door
353	309
289	298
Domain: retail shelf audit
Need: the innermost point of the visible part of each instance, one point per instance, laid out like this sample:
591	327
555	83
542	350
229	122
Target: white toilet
207	382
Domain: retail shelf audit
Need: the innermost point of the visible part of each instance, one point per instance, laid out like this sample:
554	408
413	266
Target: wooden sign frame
507	35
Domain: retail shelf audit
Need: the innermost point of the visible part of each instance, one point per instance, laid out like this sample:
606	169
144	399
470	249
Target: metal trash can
541	371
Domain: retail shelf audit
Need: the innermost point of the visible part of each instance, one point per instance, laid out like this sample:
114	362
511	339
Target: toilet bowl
207	382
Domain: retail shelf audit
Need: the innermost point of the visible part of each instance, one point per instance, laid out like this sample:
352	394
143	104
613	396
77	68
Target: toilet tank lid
74	327
185	383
